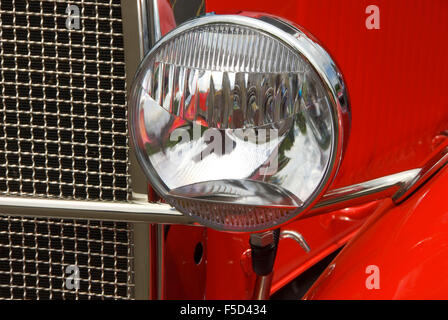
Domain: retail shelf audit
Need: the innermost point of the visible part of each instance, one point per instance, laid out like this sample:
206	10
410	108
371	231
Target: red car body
396	77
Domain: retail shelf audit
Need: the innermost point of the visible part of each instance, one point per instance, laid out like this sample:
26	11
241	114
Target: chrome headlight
238	121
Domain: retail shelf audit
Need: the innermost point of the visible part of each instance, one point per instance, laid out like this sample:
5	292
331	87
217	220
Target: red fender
406	247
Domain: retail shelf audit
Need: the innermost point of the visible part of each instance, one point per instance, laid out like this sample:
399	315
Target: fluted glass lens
234	126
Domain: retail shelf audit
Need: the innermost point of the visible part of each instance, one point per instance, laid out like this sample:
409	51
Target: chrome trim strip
144	30
432	167
141	30
398	186
115	211
136	37
135	33
158	240
364	192
155	21
136	43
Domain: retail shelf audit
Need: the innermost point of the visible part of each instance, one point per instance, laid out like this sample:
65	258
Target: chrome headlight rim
312	52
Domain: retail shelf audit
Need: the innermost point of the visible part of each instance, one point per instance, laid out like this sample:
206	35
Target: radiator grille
63	134
34	255
63	130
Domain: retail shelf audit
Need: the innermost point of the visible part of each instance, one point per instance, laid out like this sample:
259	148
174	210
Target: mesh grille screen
34	255
63	130
63	134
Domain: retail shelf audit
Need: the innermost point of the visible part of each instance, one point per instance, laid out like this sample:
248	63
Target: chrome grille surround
34	255
63	135
63	129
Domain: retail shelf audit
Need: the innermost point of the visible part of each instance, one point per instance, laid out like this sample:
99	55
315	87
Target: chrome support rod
263	251
262	287
160	247
157	261
158	243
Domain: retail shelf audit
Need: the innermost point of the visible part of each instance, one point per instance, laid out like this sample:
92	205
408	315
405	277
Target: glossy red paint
167	21
408	243
325	234
228	274
225	269
394	75
185	277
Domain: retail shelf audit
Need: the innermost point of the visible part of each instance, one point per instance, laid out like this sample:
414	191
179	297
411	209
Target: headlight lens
234	124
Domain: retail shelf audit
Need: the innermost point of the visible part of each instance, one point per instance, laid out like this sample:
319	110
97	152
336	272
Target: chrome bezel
297	39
